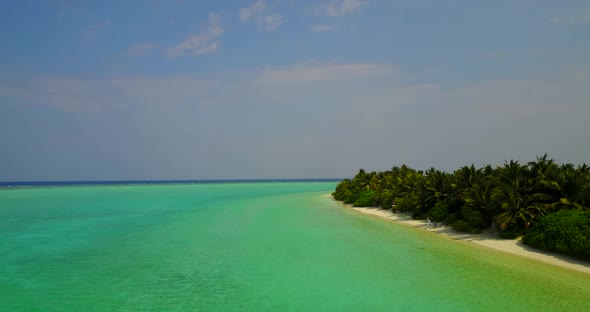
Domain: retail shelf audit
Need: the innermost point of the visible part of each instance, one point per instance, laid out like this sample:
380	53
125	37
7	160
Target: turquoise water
248	247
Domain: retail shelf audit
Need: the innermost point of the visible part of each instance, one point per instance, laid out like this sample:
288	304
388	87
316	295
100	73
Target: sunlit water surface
248	247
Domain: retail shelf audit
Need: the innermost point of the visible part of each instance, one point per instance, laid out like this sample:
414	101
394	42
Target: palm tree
543	165
513	190
522	215
478	198
569	190
462	180
433	189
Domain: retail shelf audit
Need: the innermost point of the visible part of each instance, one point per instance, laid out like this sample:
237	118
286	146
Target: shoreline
486	239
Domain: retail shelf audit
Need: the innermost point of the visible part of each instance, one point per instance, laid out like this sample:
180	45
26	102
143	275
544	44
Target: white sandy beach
486	239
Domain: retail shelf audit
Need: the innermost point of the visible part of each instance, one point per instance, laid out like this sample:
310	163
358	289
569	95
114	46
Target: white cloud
206	49
140	49
270	22
95	28
257	8
76	94
342	7
70	94
356	107
161	90
201	43
583	17
314	73
322	28
263	15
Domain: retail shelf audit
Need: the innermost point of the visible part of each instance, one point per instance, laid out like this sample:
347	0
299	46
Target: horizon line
146	181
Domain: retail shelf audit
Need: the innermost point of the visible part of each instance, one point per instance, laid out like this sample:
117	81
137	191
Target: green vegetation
547	201
566	231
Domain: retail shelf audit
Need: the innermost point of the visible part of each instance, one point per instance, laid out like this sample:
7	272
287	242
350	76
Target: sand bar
487	239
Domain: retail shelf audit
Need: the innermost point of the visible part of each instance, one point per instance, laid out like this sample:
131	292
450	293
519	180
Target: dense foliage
566	231
512	197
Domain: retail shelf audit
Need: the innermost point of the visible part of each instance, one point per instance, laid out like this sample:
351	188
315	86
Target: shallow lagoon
248	246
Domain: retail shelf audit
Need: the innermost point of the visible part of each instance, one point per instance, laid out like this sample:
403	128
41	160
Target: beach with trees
543	202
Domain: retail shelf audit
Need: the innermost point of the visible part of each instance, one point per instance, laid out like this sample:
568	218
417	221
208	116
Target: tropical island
545	203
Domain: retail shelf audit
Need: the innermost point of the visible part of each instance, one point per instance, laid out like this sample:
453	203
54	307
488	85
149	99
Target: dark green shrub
405	204
366	199
387	202
439	212
566	231
472	217
451	219
463	226
348	197
417	215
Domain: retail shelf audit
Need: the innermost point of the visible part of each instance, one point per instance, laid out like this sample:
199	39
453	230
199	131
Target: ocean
247	246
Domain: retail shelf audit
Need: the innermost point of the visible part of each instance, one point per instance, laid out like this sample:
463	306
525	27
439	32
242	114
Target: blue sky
165	89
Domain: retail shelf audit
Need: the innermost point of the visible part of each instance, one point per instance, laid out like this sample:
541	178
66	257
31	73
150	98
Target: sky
171	89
